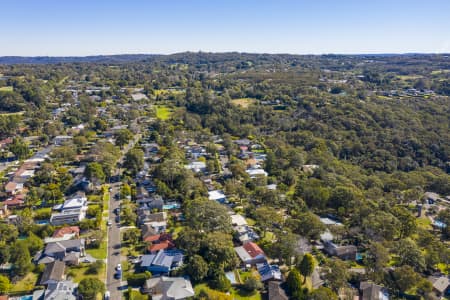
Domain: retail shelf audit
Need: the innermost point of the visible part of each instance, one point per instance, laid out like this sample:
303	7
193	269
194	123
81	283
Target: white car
119	267
106	297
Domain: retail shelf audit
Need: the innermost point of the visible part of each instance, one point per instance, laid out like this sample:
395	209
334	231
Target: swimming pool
28	297
231	277
439	224
42	222
171	206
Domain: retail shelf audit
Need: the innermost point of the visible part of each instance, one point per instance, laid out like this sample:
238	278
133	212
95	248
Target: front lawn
176	229
243	102
424	223
99	253
77	273
6	89
135	295
443	268
163	112
235	292
25	284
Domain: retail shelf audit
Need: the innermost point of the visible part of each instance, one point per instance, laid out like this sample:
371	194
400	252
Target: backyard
163	112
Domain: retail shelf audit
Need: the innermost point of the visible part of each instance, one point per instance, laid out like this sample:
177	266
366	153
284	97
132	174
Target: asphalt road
114	245
114	242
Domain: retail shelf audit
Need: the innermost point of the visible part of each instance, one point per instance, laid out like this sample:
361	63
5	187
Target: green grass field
243	102
437	72
135	295
6	89
12	113
79	273
25	284
235	293
409	77
424	223
101	252
163	112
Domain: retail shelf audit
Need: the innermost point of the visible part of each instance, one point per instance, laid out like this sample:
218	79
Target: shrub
138	279
95	267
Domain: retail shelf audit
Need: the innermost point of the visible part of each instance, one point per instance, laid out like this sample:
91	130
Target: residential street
114	243
113	258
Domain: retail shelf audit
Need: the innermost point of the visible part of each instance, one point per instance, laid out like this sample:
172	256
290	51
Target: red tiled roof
66	230
13	202
152	238
158	237
252	249
5	297
160	246
20	197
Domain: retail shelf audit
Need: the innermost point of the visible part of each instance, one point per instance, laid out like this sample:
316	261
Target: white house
217	195
196	166
72	211
255	172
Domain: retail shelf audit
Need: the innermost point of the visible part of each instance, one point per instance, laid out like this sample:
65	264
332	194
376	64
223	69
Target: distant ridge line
125	58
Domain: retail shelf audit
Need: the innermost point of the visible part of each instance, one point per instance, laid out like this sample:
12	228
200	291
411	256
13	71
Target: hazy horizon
240	52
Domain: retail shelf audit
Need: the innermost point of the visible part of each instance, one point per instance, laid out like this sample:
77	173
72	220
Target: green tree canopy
89	288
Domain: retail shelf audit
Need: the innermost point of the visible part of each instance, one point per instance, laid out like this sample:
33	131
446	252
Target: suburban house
145	216
139	96
16	201
218	196
343	252
195	151
147	230
238	220
68	232
243	142
269	272
256	171
196	166
162	262
440	284
72	211
159	241
250	254
63	234
151	203
12	188
372	291
244	232
169	288
53	272
62	139
68	251
65	289
157	221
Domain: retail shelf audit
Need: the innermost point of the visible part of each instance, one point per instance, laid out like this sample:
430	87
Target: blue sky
89	27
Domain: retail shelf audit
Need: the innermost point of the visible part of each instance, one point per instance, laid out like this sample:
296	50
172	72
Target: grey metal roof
53	271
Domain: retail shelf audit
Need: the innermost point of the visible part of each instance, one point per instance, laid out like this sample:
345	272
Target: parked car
118	275
107	295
